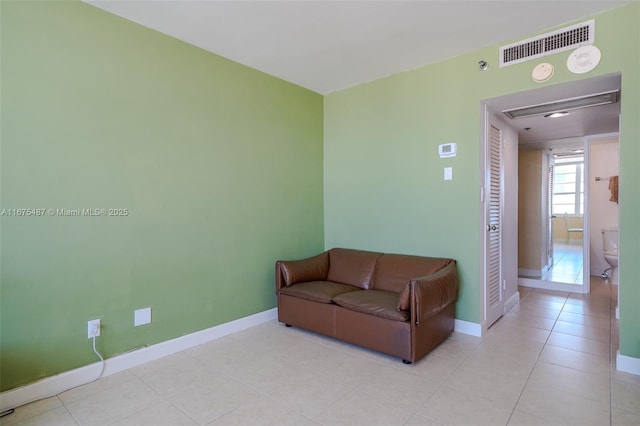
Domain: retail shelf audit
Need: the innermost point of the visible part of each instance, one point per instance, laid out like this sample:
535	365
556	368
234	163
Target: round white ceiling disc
583	59
542	72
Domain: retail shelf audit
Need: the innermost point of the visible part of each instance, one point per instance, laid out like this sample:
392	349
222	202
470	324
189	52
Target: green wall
221	170
219	166
383	178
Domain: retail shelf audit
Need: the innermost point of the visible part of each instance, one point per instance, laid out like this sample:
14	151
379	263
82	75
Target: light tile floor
549	361
567	264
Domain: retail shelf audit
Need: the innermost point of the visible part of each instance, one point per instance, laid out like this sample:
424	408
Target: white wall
604	161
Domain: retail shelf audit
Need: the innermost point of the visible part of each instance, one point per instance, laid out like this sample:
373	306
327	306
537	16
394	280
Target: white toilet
610	247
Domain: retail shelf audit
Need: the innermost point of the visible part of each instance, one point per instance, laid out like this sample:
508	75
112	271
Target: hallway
567	264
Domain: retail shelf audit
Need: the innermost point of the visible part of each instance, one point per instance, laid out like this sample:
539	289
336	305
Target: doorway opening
558	257
566	219
561	239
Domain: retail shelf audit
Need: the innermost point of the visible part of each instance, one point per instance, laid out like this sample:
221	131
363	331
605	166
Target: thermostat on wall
447	150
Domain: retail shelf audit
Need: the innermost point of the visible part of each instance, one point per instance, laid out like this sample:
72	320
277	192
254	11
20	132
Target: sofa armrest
431	293
289	272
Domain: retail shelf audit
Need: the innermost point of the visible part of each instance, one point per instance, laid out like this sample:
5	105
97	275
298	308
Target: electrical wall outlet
141	317
93	328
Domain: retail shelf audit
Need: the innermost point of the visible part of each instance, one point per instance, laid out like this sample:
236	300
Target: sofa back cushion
353	267
393	271
312	269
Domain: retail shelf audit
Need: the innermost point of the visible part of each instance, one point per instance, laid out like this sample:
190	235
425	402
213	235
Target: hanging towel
613	187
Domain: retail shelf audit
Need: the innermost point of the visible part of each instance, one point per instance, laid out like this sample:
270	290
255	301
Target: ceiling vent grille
568	38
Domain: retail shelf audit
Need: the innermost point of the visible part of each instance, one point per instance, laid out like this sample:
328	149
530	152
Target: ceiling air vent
568	38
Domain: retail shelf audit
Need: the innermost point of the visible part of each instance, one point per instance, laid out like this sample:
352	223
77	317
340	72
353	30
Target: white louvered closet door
494	297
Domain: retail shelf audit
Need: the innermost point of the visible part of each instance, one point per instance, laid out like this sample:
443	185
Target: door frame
549	208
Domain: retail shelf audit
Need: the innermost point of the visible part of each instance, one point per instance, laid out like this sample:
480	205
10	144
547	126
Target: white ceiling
581	122
329	45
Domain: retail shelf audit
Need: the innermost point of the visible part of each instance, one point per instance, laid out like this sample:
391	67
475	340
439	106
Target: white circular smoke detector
583	59
542	72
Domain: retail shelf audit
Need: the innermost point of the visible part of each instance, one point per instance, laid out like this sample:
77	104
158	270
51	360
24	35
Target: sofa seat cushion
373	302
318	291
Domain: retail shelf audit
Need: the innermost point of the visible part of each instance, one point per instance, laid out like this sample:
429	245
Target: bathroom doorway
551	213
567	216
603	203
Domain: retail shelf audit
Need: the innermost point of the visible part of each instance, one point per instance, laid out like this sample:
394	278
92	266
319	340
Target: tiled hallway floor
567	264
549	361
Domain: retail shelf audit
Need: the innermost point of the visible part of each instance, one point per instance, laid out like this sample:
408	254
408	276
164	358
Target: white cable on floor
101	360
102	365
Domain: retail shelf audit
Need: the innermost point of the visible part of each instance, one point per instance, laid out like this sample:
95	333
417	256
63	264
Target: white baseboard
628	364
532	273
551	285
59	383
511	302
466	327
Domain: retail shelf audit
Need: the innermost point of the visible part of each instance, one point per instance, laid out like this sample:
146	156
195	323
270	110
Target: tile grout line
535	364
69	411
444	382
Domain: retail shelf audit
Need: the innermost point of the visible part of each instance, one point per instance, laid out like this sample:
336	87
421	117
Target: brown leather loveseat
397	304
